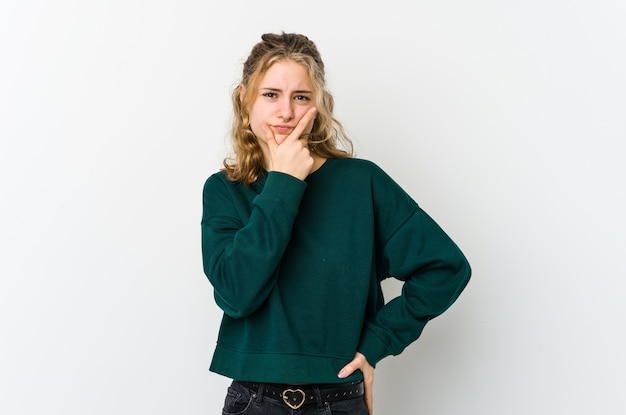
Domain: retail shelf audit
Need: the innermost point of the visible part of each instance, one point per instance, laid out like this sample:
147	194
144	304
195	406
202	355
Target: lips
282	129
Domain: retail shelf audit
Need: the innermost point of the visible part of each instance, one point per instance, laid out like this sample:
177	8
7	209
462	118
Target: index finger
302	124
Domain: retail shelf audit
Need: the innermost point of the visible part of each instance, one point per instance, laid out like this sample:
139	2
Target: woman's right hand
291	154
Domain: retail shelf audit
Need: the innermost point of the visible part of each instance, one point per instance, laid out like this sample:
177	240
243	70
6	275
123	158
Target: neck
318	161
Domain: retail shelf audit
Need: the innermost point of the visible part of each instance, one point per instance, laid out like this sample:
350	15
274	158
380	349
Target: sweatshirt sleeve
241	255
414	249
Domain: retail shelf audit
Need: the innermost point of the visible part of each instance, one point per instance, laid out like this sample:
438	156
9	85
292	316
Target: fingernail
342	374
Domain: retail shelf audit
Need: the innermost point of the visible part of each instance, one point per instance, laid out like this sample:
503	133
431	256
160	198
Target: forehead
286	74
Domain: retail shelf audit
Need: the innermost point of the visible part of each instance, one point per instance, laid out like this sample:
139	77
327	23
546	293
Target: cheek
256	121
257	130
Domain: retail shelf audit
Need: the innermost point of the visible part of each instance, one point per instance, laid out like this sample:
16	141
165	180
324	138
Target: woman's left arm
434	271
360	363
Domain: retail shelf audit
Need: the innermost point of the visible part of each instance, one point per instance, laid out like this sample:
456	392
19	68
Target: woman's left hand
360	362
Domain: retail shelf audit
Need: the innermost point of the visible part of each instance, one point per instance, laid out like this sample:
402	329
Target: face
285	94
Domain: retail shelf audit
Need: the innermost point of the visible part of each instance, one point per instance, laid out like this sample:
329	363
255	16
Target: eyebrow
299	91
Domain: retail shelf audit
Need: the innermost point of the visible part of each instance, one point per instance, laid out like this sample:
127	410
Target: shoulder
382	185
354	162
217	179
357	165
218	183
359	169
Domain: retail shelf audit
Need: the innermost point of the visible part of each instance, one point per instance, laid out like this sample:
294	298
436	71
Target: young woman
297	235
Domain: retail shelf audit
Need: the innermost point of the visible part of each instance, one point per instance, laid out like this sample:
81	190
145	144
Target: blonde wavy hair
327	134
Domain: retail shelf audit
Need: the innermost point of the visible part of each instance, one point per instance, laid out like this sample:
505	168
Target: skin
360	363
282	111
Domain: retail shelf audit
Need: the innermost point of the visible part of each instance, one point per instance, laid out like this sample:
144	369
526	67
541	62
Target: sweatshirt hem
287	368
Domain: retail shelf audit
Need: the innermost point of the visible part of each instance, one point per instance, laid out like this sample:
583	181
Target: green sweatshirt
296	267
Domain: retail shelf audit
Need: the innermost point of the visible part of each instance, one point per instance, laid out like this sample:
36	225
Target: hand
360	362
291	154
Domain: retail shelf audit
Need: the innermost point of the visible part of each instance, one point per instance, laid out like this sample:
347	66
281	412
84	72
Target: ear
242	92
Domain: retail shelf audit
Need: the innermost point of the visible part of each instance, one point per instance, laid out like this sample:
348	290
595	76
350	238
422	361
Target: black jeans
243	401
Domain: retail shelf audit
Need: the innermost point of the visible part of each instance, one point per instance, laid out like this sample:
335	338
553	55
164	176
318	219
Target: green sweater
296	267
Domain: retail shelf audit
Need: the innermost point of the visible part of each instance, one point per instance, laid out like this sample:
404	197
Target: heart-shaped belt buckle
294	398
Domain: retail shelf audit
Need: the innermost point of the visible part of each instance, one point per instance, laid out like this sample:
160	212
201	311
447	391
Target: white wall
505	120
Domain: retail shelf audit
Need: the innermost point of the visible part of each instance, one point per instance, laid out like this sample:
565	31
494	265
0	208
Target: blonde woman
297	235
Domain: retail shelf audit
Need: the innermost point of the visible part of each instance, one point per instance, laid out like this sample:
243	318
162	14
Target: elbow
466	270
236	300
462	272
236	308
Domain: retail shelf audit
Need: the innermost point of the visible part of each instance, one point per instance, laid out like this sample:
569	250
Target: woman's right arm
241	260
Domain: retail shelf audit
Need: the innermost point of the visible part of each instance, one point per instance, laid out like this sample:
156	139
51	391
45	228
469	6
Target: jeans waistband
294	396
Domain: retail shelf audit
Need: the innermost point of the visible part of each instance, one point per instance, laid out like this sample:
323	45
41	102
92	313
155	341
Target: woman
297	235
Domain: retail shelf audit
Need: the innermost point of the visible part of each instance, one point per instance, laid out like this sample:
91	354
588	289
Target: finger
369	398
308	127
269	137
368	382
350	368
360	362
302	124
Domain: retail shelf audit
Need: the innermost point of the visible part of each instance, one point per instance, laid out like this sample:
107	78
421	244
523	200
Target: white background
506	120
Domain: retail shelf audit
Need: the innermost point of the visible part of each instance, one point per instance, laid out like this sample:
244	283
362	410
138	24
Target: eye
270	94
302	98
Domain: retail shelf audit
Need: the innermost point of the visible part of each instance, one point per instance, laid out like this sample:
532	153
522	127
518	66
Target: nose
285	110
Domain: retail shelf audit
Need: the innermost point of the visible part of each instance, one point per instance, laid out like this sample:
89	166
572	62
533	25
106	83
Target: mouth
282	129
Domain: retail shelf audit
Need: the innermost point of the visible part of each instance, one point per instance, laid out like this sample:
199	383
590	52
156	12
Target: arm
413	248
360	363
434	272
438	279
241	259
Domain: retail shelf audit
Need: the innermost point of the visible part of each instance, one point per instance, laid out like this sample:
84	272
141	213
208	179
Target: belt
294	396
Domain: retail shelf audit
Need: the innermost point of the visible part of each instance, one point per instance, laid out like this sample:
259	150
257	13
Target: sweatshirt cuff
373	347
284	187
